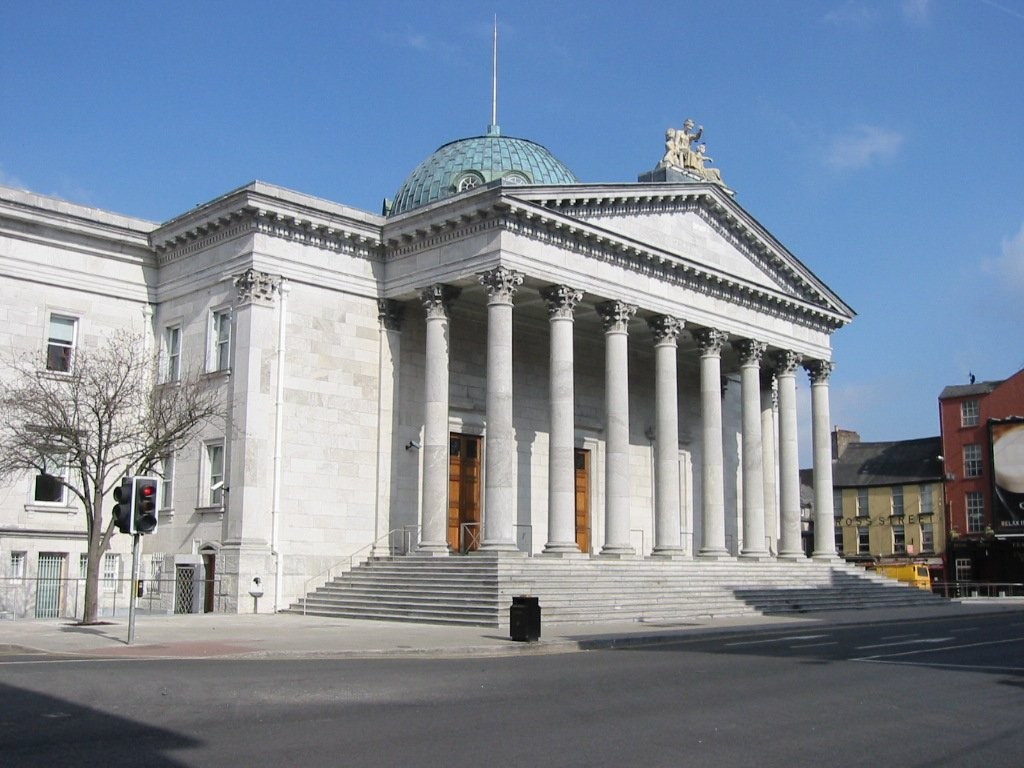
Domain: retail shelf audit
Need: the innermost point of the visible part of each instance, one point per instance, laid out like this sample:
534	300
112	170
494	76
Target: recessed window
17	570
927	537
972	460
215	474
167	482
899	539
172	350
969	413
862	502
111	572
897	500
220	340
49	484
863	541
927	502
60	343
515	178
468	181
975	502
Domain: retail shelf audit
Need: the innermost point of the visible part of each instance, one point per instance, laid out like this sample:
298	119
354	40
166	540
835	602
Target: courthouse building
505	362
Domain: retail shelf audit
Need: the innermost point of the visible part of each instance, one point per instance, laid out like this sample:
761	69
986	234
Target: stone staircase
478	589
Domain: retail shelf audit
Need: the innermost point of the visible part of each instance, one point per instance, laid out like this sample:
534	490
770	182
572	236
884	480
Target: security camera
412	444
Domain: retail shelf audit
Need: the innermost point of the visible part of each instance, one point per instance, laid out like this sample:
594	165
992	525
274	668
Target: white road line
813	645
945	648
786	639
932	640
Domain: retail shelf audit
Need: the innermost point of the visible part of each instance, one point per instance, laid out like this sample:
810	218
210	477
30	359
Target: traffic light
144	514
122	512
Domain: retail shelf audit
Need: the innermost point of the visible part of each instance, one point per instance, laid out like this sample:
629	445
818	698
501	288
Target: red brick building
982	428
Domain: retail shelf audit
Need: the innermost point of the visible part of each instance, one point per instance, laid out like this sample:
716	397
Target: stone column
821	440
769	472
790	546
709	342
561	301
390	313
666	437
499	442
616	316
750	353
434	525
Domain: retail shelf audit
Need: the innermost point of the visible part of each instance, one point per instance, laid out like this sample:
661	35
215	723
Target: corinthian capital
750	351
785	362
665	328
255	287
710	341
437	299
615	315
501	284
561	300
819	370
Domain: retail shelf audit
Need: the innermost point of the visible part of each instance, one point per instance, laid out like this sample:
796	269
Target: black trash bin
524	618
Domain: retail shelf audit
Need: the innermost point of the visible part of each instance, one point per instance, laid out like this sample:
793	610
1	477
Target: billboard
1007	440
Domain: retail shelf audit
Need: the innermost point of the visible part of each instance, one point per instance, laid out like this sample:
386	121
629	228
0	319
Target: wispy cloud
850	13
1008	267
916	11
862	146
1008	11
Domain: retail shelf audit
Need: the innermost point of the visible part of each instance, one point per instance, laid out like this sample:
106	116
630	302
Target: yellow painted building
889	502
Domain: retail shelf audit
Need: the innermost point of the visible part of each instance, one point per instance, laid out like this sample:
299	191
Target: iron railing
30	597
978	589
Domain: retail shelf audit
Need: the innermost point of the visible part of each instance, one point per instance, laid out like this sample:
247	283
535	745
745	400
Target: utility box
524	618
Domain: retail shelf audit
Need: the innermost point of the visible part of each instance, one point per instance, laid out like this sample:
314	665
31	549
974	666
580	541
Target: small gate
184	588
49	580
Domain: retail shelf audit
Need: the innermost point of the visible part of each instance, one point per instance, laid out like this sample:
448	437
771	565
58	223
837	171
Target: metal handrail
349	561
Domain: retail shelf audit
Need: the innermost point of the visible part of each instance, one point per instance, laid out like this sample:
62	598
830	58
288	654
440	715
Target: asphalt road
909	694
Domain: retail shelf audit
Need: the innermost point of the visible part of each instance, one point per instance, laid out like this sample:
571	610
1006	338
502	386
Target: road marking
786	639
813	645
882	657
933	640
900	637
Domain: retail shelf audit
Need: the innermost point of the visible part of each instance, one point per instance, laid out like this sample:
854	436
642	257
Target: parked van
915	575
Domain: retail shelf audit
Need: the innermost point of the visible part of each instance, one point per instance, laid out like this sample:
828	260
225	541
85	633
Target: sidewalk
292	636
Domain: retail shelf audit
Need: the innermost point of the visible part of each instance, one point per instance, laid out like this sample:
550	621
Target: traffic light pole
136	557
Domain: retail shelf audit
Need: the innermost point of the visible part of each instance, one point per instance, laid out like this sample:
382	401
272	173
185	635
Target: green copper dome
461	165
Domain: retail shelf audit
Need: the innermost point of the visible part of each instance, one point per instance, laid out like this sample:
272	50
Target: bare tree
103	419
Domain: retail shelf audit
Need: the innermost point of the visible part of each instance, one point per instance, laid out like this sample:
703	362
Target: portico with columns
674	356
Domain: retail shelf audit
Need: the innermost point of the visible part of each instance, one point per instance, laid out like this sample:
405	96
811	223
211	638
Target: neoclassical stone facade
559	370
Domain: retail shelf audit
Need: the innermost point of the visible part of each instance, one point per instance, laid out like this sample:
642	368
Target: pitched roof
889	463
965	390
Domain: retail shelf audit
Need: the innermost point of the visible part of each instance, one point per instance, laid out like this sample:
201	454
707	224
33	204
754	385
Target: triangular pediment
700	226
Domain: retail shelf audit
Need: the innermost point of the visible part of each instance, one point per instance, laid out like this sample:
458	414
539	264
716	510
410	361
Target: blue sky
880	141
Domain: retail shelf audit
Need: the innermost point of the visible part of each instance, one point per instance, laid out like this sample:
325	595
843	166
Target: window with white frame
172	351
49	484
975	511
963	568
927	502
839	540
215	474
83	565
863	541
899	539
61	333
17	569
167	482
862	502
972	460
927	537
111	572
220	340
837	502
969	413
897	500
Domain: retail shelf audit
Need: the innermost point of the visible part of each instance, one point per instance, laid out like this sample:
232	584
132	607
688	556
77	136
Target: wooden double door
465	528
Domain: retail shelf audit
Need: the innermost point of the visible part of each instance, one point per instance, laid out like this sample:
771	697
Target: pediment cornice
557	217
275	212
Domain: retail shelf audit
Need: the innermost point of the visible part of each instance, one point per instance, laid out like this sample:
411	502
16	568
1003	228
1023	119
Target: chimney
842	438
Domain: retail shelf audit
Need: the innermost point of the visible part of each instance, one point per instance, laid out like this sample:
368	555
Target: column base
498	546
617	552
793	557
715	554
433	549
499	554
757	557
561	548
670	553
826	557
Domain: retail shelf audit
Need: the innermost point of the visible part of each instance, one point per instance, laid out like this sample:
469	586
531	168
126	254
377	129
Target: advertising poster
1007	438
